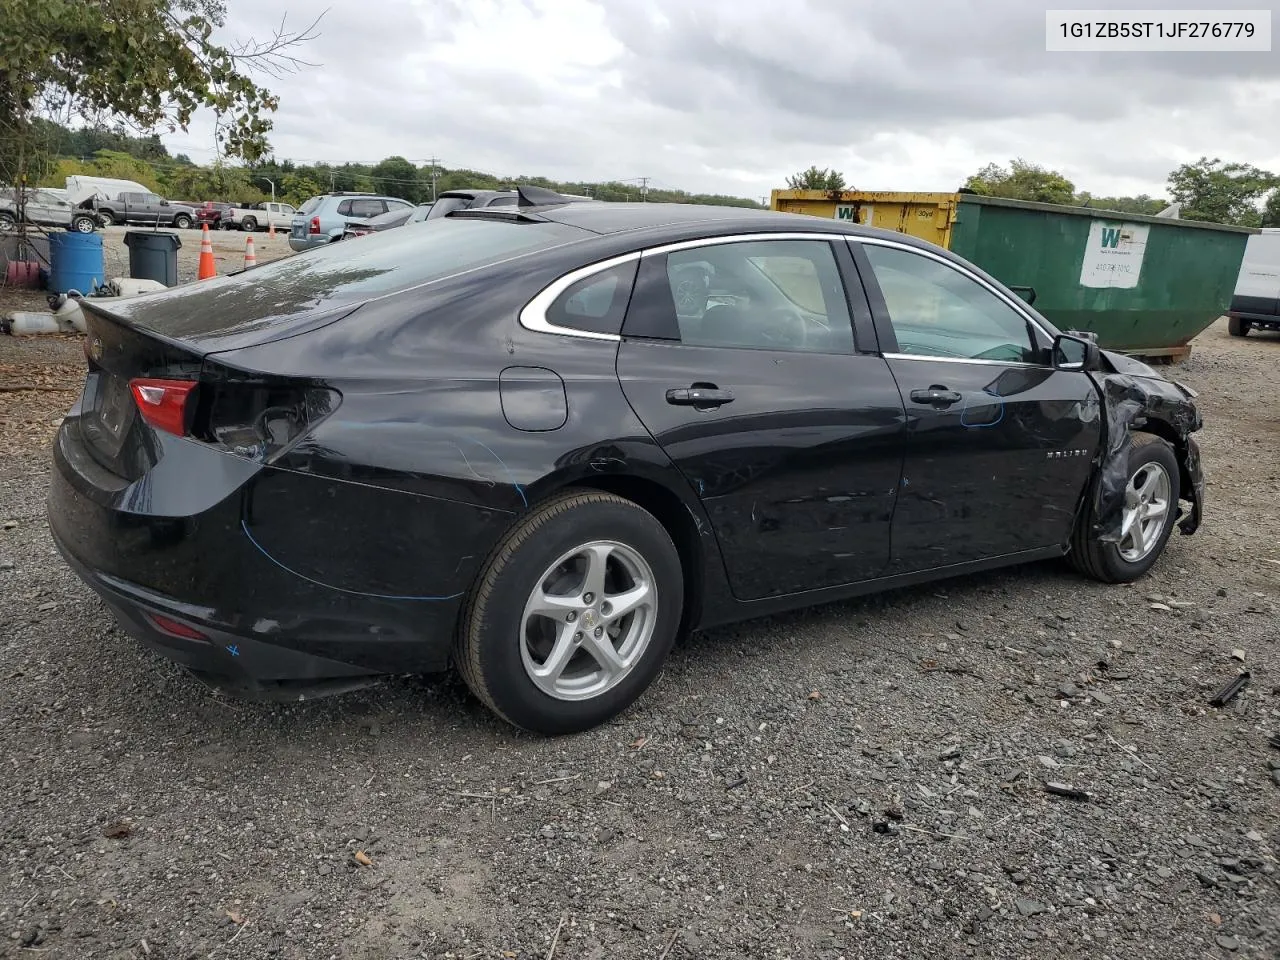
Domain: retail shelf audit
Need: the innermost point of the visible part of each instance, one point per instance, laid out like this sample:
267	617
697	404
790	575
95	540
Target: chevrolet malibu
541	442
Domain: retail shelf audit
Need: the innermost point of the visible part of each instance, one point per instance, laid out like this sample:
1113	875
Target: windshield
310	205
447	205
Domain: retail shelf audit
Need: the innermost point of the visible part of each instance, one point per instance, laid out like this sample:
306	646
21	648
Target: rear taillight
257	421
315	224
163	403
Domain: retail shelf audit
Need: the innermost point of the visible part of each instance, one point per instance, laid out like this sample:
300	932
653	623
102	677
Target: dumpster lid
1098	213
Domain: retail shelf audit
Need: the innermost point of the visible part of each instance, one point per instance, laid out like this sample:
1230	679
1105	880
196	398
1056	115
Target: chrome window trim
534	314
1017	305
989	363
740	238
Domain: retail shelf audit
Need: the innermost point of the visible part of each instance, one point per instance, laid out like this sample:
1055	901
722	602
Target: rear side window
367	208
595	304
344	208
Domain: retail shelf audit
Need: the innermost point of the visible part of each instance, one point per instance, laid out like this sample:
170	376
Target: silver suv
324	218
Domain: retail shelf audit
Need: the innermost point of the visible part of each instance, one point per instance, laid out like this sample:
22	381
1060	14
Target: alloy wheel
589	620
1146	505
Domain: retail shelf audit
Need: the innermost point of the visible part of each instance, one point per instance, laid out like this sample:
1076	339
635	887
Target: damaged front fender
1136	398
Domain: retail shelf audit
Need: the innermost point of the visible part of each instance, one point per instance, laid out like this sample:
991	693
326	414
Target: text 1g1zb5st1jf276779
1189	31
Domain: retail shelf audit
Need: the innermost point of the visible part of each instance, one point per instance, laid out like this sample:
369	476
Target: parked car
211	213
388	221
144	208
323	219
261	216
541	442
45	206
451	200
1255	304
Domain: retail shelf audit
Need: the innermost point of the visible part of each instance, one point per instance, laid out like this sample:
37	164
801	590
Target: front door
999	444
739	358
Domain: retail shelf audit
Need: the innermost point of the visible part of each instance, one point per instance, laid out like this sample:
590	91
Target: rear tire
182	222
506	650
7	220
1150	458
248	224
1238	326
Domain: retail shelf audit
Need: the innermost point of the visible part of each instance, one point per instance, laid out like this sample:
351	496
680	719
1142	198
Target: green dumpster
1144	285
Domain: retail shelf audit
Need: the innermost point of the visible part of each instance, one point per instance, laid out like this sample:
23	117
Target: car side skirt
719	615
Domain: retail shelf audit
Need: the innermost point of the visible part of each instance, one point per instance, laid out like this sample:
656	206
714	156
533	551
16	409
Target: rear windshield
345	272
310	205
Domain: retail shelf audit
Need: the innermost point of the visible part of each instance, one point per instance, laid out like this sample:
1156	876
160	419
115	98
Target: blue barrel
76	262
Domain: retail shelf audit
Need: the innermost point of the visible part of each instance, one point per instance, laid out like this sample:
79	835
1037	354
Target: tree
1271	212
1022	181
397	177
151	63
1219	192
816	179
1139	204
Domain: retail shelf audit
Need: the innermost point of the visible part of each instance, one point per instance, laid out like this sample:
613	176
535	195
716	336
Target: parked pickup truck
260	216
148	208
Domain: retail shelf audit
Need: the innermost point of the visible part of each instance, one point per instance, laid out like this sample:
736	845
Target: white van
1256	302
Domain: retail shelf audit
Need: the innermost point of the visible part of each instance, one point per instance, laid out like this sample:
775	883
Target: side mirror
1075	353
164	203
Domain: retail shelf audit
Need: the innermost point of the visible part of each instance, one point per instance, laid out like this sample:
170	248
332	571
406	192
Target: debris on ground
1231	690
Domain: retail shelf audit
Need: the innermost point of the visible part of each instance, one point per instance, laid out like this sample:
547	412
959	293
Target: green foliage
1271	212
105	163
1139	204
1219	192
1022	181
151	63
397	177
816	178
297	188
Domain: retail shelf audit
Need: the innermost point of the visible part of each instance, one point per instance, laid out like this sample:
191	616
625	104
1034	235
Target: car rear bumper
176	543
307	242
1258	319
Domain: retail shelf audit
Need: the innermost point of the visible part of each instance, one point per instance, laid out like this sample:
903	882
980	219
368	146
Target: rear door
739	357
1000	445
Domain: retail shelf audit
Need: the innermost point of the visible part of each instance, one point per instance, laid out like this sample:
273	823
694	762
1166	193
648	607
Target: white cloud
733	95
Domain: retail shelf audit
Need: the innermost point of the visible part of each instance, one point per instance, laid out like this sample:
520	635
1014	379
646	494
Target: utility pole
644	189
433	161
273	186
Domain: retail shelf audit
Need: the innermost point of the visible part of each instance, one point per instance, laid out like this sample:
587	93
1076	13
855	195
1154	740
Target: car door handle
699	396
936	396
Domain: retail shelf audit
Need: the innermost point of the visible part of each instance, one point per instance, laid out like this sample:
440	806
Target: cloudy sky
730	96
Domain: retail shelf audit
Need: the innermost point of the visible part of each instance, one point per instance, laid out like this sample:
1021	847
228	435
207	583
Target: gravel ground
860	780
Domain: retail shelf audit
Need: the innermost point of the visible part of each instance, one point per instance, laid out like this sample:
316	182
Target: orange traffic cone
207	267
250	258
271	227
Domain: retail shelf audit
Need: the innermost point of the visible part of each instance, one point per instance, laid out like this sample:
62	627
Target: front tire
573	614
7	220
84	224
1151	506
1238	326
107	218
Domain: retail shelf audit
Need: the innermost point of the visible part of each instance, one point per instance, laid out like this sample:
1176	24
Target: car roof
680	218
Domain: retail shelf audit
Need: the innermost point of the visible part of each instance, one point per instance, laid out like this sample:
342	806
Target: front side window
938	311
761	295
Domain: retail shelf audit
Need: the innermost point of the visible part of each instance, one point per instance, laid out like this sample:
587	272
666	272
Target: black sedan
540	442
